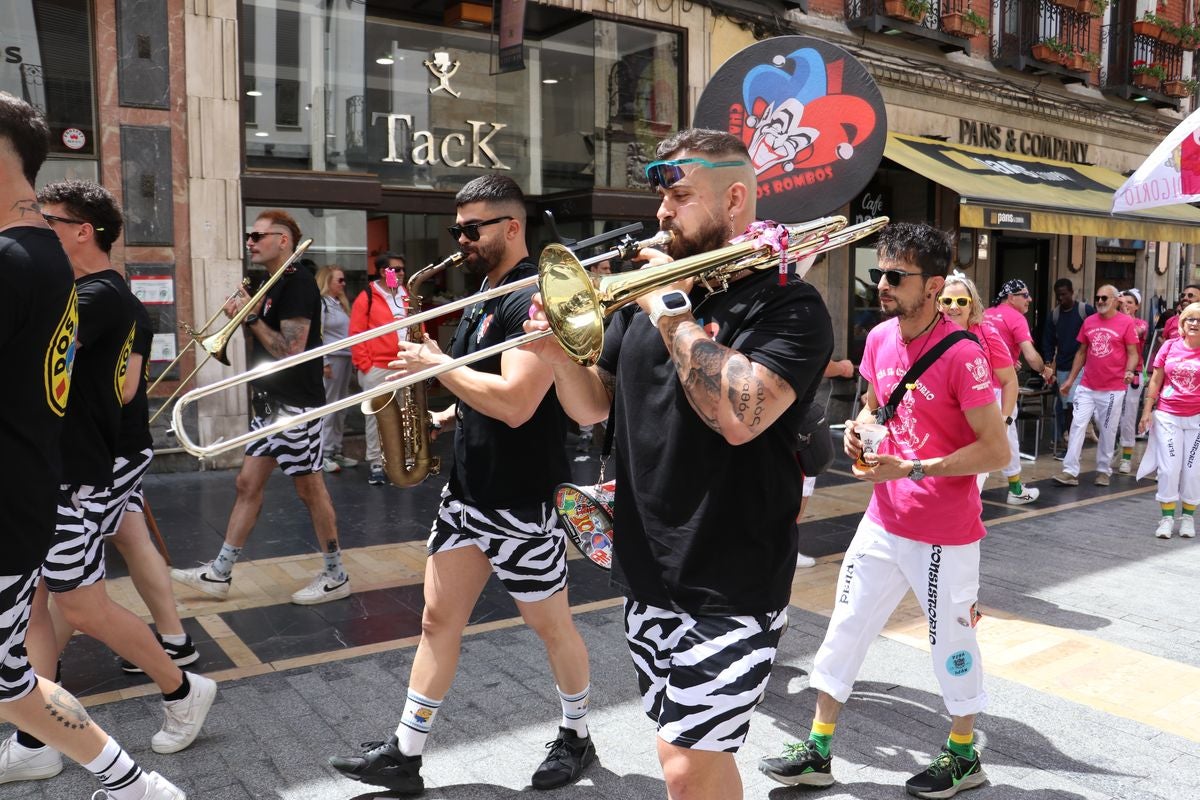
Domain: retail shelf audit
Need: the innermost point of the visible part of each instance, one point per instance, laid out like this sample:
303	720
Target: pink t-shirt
1141	328
994	348
929	423
1171	329
1012	327
1180	392
1104	369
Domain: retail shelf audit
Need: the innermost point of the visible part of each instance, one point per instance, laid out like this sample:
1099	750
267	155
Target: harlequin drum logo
811	118
60	357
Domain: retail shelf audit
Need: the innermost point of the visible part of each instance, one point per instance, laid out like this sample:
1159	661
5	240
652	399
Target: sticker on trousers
959	664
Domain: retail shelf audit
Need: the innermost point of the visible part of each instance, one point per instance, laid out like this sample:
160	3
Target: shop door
1027	260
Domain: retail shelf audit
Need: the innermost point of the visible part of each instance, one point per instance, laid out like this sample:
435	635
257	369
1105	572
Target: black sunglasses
471	229
1102	298
67	220
894	276
257	236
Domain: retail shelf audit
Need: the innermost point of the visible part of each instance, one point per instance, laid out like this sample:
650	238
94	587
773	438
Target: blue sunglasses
665	174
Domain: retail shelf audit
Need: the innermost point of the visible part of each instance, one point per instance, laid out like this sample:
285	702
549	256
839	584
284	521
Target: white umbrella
1170	175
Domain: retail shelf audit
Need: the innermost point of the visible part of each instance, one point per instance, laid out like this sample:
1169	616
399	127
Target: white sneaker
344	461
157	788
184	718
322	589
202	579
1028	495
21	763
1187	526
1166	527
329	465
803	561
1126	466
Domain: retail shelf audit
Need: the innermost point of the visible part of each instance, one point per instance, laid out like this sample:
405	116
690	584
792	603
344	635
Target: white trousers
1129	416
369	380
1014	448
1105	409
879	568
1177	442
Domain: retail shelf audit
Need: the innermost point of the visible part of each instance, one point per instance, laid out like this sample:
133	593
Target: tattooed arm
735	396
287	341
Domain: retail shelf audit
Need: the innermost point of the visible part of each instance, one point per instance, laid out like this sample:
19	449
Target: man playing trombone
495	515
287	322
706	391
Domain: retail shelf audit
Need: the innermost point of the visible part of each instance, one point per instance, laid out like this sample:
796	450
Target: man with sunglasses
1059	345
1008	318
287	322
495	515
923	526
1110	353
707	392
1190	294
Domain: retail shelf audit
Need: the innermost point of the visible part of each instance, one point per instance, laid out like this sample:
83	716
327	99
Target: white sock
118	774
175	639
574	710
415	723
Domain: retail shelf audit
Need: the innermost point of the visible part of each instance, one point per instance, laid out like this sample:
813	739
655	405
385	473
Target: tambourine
587	514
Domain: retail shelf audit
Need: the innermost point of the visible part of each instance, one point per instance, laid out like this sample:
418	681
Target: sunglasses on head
894	276
665	174
257	236
471	229
961	302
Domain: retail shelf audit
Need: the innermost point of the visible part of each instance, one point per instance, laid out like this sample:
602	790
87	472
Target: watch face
675	300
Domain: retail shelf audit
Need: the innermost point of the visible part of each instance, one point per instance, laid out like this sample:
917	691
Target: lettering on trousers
1191	459
844	597
935	565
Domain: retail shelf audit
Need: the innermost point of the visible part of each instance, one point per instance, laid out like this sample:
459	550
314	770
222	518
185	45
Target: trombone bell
571	303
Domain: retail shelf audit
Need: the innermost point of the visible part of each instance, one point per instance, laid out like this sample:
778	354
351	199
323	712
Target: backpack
1080	307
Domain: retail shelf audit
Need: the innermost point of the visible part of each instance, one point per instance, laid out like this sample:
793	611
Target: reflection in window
865	311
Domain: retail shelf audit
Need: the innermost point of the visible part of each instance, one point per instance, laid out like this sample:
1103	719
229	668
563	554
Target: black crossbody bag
888	410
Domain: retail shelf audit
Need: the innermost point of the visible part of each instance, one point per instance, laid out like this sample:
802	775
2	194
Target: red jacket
381	350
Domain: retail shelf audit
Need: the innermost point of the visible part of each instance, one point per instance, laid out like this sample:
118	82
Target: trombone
216	344
576	303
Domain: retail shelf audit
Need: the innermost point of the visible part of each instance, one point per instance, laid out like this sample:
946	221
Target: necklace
906	342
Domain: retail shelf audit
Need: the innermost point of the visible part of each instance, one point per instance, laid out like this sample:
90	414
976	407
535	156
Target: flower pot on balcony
1168	37
1067	4
1175	88
899	10
1076	62
1043	52
1085	6
1144	28
955	24
1148	82
1188	42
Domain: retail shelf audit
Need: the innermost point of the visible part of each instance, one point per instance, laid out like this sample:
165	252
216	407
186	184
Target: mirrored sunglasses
665	174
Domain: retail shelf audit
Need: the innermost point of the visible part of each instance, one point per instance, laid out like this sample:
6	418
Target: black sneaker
801	764
181	654
569	757
377	477
382	764
946	776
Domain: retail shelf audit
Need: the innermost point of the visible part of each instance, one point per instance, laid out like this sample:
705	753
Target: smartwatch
918	471
250	319
671	304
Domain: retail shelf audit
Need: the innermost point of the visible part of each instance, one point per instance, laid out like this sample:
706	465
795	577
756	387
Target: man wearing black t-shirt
124	520
495	515
38	325
287	322
707	392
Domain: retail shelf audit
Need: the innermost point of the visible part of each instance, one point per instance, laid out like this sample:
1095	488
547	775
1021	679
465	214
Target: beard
482	257
712	235
902	309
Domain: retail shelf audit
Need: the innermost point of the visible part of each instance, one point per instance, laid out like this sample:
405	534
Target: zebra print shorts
702	676
527	548
16	599
297	450
126	492
76	556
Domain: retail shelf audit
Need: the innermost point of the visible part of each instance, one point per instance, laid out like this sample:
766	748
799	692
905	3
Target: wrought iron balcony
1044	37
1144	68
940	22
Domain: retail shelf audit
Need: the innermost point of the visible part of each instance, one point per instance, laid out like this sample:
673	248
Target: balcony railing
1044	37
937	21
1135	59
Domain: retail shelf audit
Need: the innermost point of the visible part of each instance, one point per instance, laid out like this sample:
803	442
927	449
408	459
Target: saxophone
402	417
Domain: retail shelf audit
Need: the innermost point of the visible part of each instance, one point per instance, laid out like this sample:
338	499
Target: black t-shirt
295	296
703	526
497	466
105	339
134	436
37	345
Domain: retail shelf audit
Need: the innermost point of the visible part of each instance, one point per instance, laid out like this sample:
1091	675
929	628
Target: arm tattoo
63	707
608	381
282	343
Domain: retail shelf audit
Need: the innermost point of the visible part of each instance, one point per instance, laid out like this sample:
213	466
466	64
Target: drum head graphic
811	117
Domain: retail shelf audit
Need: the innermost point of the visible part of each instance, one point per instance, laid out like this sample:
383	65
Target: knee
248	487
681	776
438	625
82	616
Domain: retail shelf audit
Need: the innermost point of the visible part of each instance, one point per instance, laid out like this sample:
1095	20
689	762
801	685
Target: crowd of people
686	376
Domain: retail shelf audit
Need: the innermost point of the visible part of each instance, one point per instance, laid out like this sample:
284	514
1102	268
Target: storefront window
335	88
46	59
339	236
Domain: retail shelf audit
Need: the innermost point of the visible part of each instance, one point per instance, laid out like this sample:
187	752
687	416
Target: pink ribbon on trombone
772	235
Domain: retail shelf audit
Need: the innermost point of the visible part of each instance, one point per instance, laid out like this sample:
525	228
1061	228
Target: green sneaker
800	765
946	776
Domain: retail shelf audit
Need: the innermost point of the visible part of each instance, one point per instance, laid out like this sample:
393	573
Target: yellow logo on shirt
60	357
123	365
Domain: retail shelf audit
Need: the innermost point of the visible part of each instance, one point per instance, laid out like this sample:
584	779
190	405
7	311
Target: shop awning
1016	192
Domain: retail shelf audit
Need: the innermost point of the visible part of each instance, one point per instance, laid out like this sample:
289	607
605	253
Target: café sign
1011	140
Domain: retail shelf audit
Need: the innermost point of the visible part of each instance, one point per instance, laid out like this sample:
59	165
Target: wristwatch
918	472
1008	420
250	319
671	304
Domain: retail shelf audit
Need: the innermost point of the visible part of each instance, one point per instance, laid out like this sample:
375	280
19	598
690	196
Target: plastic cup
871	435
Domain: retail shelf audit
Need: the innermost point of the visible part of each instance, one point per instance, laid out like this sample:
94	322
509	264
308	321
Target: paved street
1087	635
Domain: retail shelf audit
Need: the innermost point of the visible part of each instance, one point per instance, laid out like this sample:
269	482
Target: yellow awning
1007	191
